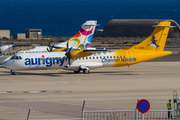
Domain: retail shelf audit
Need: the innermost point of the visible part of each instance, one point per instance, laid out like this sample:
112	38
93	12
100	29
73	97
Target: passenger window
20	57
16	58
83	58
104	56
96	57
117	56
89	57
86	57
93	57
110	56
107	56
114	57
100	57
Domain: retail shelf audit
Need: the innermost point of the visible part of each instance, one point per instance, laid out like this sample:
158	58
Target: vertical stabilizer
83	38
156	41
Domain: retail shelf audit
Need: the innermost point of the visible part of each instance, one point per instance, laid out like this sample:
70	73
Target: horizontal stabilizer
165	26
21	45
97	50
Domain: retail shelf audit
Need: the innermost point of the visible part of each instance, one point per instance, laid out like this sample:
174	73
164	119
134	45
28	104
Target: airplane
76	60
81	40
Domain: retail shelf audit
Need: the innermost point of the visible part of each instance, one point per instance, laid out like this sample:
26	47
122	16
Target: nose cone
4	65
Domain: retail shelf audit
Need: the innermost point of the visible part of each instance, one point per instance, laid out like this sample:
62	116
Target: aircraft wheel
13	73
85	71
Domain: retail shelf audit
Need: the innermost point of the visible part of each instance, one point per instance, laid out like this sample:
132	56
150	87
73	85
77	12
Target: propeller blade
51	48
69	61
68	54
66	58
70	49
67	45
49	43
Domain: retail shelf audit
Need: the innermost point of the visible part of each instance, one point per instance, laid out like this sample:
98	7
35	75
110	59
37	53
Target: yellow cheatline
58	50
130	57
79	54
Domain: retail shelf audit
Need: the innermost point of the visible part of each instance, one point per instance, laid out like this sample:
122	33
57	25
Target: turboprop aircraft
82	40
76	60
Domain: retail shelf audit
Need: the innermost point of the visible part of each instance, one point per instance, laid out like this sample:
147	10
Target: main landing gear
13	72
85	70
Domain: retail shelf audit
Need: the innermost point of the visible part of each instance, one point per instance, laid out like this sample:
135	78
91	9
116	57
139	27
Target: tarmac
59	94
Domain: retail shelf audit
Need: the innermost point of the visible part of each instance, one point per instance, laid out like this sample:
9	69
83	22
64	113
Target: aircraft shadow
104	73
43	74
59	74
22	74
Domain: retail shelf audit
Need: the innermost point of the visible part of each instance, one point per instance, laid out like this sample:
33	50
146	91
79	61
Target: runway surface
59	94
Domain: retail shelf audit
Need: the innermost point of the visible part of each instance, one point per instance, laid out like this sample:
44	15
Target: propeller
50	47
68	53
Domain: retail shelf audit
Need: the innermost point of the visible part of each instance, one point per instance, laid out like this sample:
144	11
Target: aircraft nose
4	65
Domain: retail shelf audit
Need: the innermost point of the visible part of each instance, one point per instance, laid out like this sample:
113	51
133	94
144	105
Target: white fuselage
6	56
55	60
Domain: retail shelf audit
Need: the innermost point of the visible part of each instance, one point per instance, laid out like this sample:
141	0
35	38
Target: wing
23	47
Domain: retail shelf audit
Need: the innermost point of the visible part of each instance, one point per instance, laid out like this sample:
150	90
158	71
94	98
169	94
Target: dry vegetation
97	41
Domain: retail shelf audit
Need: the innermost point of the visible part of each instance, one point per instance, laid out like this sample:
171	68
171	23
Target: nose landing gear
13	72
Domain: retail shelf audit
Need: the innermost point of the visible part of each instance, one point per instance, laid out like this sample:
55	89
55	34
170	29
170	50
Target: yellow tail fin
156	41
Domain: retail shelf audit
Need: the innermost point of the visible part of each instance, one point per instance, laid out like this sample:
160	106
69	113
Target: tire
13	73
86	71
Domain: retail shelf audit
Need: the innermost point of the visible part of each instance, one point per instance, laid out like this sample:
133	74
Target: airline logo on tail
153	44
84	37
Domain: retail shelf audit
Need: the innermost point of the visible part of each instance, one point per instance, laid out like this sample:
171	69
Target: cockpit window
16	57
12	57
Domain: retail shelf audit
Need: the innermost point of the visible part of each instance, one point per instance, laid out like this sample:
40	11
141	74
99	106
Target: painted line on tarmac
41	91
66	103
15	108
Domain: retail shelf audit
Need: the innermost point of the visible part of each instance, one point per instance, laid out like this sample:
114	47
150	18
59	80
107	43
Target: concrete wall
4	33
34	33
19	35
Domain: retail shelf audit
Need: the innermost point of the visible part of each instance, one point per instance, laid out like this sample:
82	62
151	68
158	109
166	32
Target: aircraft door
129	57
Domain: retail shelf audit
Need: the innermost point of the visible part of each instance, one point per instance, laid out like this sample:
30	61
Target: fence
126	115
